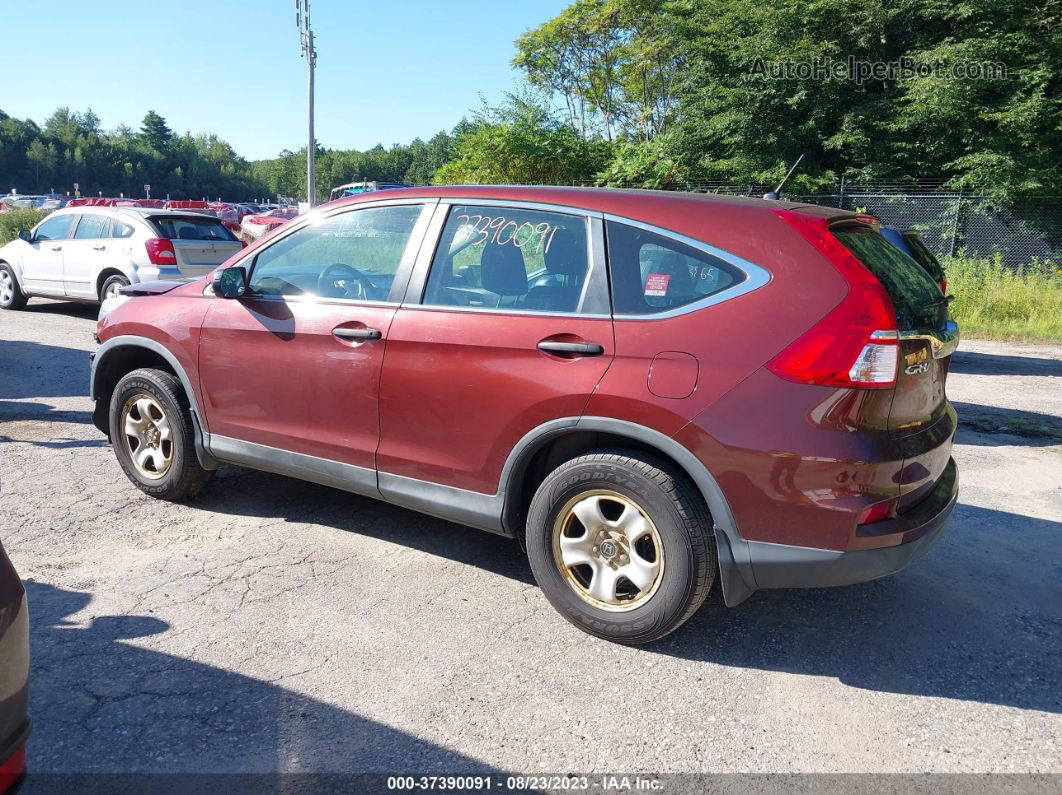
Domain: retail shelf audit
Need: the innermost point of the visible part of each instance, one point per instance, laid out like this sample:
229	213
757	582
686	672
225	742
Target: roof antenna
773	194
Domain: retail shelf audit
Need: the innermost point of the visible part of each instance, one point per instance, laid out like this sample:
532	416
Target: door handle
56	248
99	247
357	333
571	348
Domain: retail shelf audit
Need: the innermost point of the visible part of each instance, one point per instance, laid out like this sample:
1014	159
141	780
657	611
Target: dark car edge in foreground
14	676
647	389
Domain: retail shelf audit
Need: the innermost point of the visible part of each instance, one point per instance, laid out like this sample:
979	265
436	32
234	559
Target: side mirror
230	282
26	235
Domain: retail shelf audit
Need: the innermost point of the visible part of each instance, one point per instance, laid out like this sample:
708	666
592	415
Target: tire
111	285
167	471
11	295
619	482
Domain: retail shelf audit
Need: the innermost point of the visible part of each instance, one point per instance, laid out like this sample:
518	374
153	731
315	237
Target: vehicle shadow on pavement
248	493
997	426
102	704
973	363
89	311
979	618
34	370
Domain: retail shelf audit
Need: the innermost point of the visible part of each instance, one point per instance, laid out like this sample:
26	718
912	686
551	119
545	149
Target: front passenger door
42	262
294	365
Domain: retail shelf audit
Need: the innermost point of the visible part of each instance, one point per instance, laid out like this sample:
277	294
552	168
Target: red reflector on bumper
13	768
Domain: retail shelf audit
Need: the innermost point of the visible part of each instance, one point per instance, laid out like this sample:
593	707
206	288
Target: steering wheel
335	277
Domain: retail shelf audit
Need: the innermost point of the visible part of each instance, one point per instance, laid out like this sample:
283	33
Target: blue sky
386	72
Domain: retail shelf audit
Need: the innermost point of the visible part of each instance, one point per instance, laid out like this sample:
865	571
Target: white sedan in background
90	253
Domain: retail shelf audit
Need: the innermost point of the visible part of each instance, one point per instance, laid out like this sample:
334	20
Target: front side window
509	258
56	228
354	255
653	273
92	227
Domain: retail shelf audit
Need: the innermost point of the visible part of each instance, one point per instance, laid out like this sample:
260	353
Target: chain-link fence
950	222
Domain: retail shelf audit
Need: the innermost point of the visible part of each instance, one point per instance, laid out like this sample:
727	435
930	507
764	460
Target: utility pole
309	52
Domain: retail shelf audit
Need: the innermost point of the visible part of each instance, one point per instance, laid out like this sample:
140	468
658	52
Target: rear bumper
785	566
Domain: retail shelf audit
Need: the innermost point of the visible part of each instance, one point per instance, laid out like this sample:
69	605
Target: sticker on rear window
656	284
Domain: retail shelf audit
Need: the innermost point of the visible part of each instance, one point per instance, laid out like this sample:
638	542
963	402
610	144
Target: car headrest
188	233
565	255
681	281
502	270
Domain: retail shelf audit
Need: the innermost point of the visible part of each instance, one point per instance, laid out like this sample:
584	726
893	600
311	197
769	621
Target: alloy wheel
608	550
7	287
147	436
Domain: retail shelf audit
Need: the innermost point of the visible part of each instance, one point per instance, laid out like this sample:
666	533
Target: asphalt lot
275	625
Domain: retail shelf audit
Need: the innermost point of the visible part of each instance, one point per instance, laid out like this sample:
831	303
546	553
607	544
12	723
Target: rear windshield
915	296
924	257
191	227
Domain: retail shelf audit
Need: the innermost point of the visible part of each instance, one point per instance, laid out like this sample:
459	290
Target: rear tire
153	435
11	295
110	288
643	560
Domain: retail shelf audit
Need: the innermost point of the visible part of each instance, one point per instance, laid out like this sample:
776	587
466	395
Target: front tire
153	436
621	545
110	288
11	295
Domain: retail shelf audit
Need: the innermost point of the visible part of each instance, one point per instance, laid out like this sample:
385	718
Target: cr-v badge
917	369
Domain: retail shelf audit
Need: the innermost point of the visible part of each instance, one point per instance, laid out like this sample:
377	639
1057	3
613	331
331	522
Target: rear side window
92	227
191	227
120	229
915	296
652	273
57	227
509	258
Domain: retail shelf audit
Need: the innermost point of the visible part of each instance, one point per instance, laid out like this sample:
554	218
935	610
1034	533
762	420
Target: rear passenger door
505	326
85	255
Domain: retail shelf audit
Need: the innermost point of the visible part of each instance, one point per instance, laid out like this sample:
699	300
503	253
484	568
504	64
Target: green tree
155	131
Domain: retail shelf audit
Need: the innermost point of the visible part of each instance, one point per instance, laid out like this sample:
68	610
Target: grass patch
14	221
996	302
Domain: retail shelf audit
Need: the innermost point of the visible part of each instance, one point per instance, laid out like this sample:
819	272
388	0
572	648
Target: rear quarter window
191	227
915	296
651	273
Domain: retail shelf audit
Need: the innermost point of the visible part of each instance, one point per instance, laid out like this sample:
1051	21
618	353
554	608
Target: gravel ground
274	625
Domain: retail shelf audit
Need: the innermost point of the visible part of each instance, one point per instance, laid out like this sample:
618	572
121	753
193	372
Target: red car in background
647	390
255	226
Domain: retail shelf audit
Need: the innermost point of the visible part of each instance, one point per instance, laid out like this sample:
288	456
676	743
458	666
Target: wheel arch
121	355
105	274
549	445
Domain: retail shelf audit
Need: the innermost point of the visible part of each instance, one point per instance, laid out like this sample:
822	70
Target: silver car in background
89	253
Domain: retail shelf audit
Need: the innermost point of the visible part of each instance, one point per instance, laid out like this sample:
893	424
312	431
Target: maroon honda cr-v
647	389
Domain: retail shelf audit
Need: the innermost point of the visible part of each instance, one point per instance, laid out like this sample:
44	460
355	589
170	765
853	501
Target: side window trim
756	275
398	286
594	301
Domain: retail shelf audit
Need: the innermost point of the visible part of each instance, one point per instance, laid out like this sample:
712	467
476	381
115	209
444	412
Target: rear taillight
876	512
160	251
943	285
856	344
